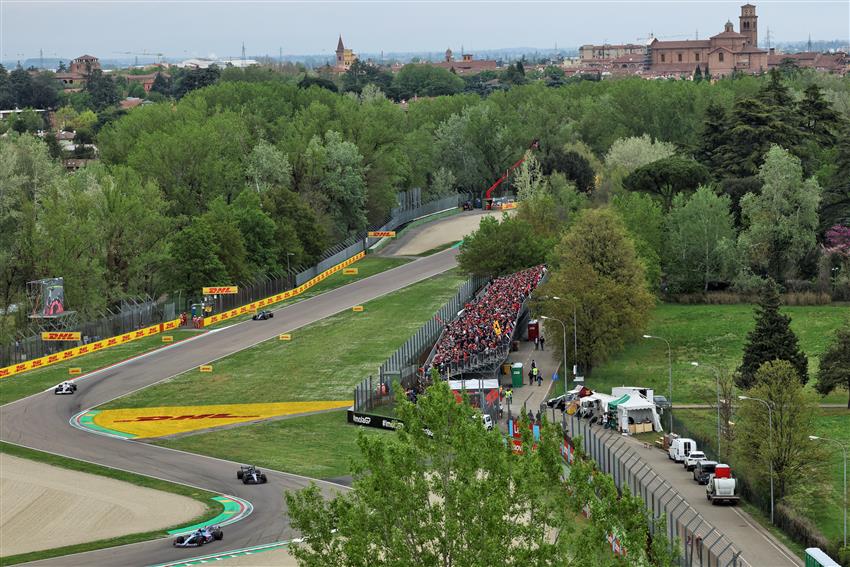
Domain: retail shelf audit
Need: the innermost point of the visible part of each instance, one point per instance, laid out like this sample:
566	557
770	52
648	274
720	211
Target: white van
680	448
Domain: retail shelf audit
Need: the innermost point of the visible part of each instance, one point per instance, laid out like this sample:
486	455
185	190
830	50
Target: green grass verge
833	423
324	360
318	446
368	266
714	335
439	248
213	508
28	383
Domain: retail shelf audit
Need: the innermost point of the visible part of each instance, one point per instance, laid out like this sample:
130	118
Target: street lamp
669	374
717	380
565	347
844	450
770	442
575	336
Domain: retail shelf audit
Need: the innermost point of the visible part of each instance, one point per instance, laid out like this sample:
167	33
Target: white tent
636	411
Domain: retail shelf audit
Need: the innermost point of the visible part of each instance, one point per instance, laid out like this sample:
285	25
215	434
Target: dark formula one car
262	315
199	537
65	388
249	474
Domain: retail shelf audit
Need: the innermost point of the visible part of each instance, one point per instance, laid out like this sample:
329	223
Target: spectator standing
536	343
542	342
531	377
539	378
535	372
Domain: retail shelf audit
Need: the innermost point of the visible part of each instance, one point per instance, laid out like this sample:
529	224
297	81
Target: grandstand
480	338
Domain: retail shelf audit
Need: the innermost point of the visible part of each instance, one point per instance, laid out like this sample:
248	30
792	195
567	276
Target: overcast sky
67	28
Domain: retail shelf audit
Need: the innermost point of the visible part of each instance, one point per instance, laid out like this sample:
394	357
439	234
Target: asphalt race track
42	421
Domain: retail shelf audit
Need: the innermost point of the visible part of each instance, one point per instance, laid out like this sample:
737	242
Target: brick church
720	55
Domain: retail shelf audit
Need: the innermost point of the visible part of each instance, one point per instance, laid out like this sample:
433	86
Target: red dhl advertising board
87	349
224	316
221	290
61	336
381	234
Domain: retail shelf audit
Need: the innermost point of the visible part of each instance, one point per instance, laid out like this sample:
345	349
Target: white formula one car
199	537
65	388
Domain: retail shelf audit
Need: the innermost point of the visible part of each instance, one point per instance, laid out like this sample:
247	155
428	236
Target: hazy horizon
189	28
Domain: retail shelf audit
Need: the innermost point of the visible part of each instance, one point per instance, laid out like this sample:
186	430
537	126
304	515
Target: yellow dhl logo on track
159	421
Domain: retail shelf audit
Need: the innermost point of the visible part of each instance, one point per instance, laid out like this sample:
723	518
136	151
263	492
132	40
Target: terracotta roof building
467	65
721	54
78	72
837	63
344	57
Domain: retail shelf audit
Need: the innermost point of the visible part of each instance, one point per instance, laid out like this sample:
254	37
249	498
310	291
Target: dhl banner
61	336
222	290
87	349
381	234
349	272
224	316
506	206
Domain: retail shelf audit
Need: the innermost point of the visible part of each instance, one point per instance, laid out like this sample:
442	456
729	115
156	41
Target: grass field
713	335
833	423
322	362
318	446
368	266
213	508
28	383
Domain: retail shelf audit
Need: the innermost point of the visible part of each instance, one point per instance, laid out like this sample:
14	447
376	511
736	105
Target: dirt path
433	234
42	507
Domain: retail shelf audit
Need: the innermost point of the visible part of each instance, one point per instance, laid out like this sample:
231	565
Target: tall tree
713	136
628	154
700	241
441	491
596	270
835	206
573	165
195	259
785	451
102	90
667	177
780	223
499	248
754	128
834	369
771	339
817	117
644	220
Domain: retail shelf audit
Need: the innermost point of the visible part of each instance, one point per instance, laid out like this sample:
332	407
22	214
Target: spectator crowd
487	321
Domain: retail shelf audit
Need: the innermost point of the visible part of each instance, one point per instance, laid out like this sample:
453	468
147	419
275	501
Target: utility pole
41	59
280	58
767	39
243	51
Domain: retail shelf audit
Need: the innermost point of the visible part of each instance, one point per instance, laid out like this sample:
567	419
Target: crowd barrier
265	302
88	348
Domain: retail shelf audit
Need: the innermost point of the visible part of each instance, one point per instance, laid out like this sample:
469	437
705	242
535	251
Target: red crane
488	200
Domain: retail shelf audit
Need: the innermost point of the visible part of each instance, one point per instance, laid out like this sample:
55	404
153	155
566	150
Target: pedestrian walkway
530	396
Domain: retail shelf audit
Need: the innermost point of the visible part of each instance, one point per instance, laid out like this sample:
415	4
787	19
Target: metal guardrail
702	544
130	315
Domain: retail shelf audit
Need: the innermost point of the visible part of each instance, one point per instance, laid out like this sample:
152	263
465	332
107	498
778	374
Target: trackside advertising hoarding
87	349
281	296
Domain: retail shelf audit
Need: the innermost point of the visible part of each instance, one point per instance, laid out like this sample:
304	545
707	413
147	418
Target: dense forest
223	178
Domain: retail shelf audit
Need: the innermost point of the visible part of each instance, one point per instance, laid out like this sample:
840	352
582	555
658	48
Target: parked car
680	448
721	486
660	401
703	471
692	459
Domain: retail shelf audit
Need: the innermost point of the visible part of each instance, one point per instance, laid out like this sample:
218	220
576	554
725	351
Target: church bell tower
749	24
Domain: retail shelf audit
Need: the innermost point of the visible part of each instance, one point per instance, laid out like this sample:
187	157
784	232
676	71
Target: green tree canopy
595	268
780	224
424	80
786	449
499	248
699	241
771	339
834	370
666	177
